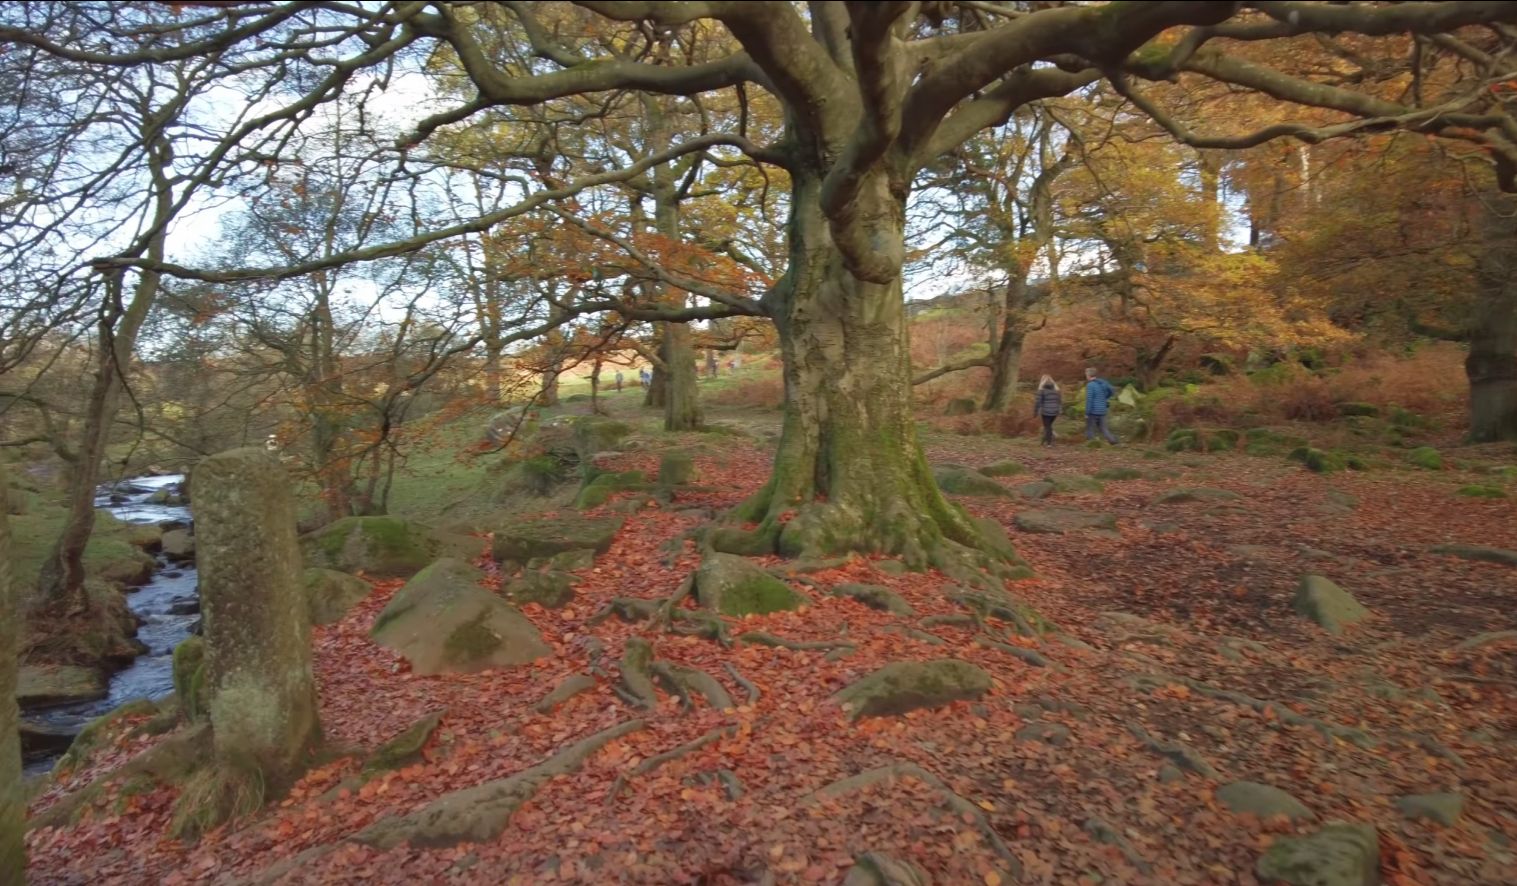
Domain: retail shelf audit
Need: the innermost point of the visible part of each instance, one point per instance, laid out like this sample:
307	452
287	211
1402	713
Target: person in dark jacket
1048	404
1098	394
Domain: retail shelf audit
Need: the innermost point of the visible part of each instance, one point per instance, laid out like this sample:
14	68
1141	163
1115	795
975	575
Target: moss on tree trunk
261	697
849	474
12	801
1491	365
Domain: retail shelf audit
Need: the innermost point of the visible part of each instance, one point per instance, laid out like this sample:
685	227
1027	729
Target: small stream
167	607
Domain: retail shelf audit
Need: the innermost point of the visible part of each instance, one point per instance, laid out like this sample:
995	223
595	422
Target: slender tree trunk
595	385
849	474
1210	163
1006	359
492	372
12	800
682	405
1491	365
61	582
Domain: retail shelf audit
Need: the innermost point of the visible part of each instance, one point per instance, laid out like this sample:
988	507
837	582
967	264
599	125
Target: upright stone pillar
12	800
261	696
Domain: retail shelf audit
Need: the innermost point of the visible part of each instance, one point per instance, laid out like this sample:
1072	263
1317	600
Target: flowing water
167	607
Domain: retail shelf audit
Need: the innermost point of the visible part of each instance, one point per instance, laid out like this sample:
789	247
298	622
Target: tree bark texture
849	474
262	698
1491	365
12	799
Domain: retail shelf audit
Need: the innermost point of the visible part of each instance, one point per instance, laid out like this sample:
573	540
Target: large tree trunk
1492	362
682	404
849	474
12	800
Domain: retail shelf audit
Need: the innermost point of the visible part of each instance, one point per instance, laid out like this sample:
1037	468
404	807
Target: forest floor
1185	651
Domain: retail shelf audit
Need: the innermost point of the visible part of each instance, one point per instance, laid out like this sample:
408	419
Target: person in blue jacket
1098	394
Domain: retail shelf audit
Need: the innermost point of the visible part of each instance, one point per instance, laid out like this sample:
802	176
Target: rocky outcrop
442	621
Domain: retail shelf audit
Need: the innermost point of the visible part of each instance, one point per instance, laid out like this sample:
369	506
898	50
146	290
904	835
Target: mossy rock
905	686
732	585
1406	419
1443	808
675	469
1475	491
331	594
1265	801
1037	489
1076	483
1317	460
957	480
875	597
405	747
548	589
1119	473
1358	410
599	489
594	434
443	621
1264	441
1340	854
1330	606
43	685
189	678
960	406
538	476
525	541
1197	493
1006	468
382	546
1202	440
1426	457
1057	521
96	731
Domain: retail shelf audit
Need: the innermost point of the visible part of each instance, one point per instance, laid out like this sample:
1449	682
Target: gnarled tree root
570	686
682	681
480	813
657	760
957	804
753	691
171	760
763	638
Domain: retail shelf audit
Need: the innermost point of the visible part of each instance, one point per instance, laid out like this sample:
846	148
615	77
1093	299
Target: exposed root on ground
570	686
960	806
657	760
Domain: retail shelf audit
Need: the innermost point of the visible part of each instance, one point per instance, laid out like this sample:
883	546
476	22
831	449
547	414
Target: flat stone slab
43	685
1265	801
527	541
1057	521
